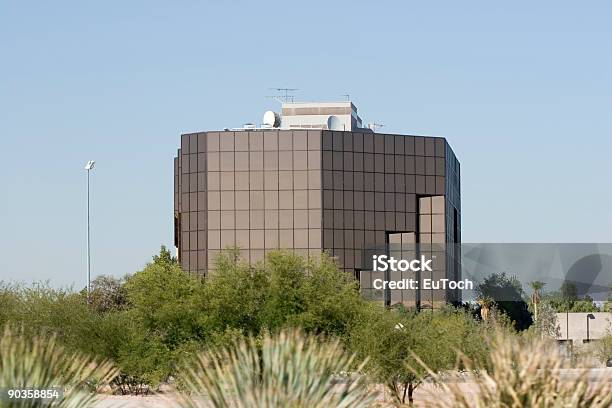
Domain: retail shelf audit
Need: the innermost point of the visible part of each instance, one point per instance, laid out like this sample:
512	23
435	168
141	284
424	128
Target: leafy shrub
393	339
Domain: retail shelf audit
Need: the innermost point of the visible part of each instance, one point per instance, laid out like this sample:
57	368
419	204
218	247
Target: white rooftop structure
320	115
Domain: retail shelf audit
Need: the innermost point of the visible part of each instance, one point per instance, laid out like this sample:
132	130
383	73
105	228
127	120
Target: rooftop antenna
346	96
287	97
375	125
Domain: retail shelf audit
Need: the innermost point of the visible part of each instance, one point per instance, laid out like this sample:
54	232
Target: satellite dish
334	123
271	119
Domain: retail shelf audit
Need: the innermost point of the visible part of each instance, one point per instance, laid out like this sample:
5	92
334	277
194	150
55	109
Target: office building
313	179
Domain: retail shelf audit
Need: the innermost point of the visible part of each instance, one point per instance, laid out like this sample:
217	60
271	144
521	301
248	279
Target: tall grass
523	373
284	370
41	363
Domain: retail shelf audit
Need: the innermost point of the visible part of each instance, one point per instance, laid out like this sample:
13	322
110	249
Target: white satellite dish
271	119
334	123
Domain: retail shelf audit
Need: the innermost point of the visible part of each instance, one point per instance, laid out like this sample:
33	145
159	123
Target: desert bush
288	369
392	338
41	363
603	348
523	372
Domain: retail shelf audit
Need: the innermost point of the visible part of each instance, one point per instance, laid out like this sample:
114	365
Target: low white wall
577	324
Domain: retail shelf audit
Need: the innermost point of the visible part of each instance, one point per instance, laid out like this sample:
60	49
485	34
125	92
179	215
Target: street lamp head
90	165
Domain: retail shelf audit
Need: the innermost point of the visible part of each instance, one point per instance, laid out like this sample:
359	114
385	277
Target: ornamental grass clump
288	369
42	364
521	373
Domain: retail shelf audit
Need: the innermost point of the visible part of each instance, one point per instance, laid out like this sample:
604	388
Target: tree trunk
410	394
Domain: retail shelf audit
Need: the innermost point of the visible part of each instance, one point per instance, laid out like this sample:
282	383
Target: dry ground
422	394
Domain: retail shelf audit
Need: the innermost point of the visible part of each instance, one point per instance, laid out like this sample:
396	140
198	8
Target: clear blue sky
522	91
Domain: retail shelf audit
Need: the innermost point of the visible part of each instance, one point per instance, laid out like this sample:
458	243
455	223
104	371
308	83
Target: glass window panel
300	140
214	200
257	200
256	160
227	161
271	237
255	141
227	200
213	161
226	141
300	160
271	140
271	219
425	205
228	219
314	219
227	180
242	238
213	142
214	239
300	199
314	179
314	160
257	239
285	161
285	180
241	181
214	180
425	223
285	200
285	219
256	180
242	219
242	161
314	238
214	219
228	238
314	140
300	180
242	200
271	160
242	142
285	140
256	219
437	205
300	219
271	180
271	200
438	223
314	198
286	238
301	238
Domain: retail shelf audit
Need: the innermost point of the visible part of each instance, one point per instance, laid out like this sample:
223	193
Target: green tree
163	323
165	258
235	294
536	296
108	294
607	306
507	293
394	339
584	305
287	290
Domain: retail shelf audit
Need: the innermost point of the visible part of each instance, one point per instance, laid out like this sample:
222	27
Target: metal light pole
589	317
90	165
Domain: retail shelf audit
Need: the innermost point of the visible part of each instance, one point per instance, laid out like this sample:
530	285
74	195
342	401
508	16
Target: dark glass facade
313	191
